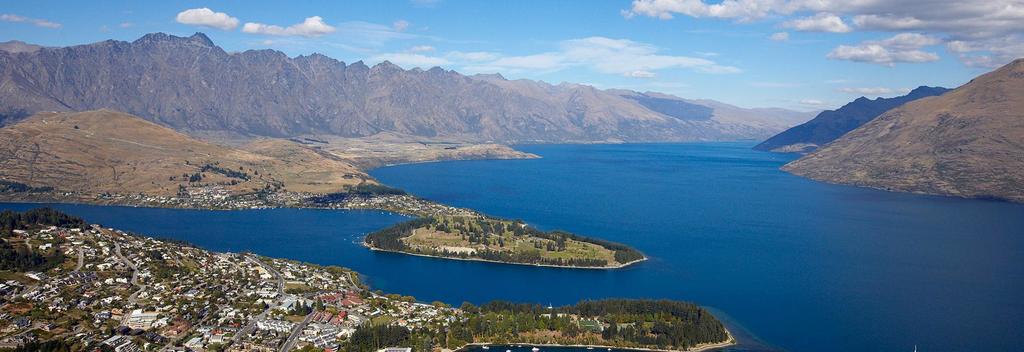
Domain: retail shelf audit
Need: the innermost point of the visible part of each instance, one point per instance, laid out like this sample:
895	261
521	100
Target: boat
487	347
590	348
535	349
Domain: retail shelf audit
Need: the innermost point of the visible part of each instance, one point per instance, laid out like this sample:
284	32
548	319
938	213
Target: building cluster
400	203
132	293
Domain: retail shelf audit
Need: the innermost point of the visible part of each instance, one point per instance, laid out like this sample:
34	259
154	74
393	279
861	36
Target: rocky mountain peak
190	84
161	38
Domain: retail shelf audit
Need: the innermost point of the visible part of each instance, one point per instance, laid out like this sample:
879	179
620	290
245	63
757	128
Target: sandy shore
609	267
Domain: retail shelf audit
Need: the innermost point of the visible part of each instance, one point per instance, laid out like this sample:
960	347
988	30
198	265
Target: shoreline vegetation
500	262
490	239
623	324
709	346
395	321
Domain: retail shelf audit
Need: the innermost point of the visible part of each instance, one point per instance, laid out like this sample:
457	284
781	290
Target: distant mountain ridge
968	142
17	46
190	84
832	124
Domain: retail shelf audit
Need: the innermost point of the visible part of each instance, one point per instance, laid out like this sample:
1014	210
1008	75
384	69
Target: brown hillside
108	151
968	142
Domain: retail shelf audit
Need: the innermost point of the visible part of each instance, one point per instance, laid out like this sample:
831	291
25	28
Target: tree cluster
637	323
18	187
10	220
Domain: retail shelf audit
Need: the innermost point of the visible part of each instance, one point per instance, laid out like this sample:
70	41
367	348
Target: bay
788	263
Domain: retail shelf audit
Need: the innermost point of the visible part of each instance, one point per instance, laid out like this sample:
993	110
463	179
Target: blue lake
788	262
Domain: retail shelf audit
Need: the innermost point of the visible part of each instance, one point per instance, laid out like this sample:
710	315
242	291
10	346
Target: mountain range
192	85
832	124
968	142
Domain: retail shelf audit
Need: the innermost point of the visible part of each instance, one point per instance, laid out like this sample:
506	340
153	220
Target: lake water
788	262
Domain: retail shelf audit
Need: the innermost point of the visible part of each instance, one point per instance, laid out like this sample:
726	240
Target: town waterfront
802	265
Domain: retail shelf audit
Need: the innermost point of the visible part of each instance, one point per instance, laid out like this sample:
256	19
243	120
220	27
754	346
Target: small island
484	238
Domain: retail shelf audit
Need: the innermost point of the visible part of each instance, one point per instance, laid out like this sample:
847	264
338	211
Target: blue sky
733	51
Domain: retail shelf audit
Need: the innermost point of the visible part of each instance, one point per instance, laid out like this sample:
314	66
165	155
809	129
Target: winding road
135	273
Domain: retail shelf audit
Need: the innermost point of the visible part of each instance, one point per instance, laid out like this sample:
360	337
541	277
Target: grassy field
470	236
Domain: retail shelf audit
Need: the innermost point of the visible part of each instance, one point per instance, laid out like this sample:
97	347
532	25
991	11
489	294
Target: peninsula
73	286
484	238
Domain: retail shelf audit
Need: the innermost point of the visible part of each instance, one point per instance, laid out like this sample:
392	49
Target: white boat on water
487	347
535	349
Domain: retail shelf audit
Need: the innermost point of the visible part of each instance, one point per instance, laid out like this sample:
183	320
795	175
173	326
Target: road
245	331
296	331
135	273
81	259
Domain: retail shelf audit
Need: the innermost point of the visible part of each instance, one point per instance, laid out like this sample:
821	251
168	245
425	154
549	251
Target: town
217	197
125	292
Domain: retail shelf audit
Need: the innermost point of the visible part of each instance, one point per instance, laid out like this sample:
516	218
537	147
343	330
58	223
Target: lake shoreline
620	266
731	341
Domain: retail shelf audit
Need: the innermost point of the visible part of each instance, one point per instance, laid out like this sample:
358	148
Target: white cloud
873	91
774	84
821	22
665	9
400	25
535	62
814	103
473	56
605	55
909	41
640	74
877	54
988	53
370	34
901	48
421	49
207	18
779	36
410	60
989	26
7	17
310	27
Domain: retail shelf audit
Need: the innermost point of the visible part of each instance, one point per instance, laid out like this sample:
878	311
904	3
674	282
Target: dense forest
18	187
10	221
371	338
19	258
482	230
661	324
361	190
14	255
390	237
617	322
